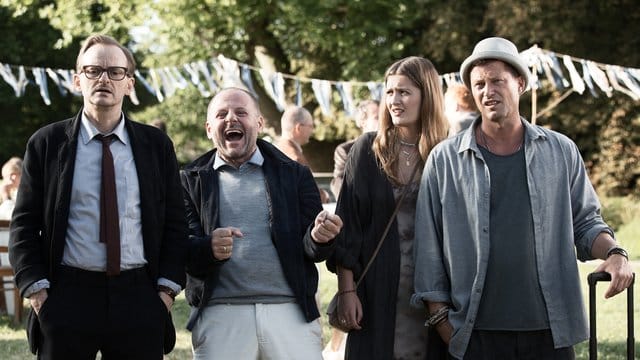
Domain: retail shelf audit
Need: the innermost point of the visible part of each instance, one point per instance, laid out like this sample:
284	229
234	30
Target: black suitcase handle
593	279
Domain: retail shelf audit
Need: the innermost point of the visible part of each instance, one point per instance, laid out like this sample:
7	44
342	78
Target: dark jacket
294	204
40	217
365	205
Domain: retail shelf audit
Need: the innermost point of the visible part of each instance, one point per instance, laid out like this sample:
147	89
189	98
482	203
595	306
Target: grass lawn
627	235
611	323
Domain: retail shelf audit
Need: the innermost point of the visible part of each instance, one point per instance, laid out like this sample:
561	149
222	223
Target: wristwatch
167	290
618	250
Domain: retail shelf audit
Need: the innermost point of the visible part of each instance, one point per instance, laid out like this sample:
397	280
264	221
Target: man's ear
296	128
521	85
260	123
209	130
76	82
131	81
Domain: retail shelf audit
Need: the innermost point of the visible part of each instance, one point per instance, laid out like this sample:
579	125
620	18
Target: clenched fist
222	241
326	227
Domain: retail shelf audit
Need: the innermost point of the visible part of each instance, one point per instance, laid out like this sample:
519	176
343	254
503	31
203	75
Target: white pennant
576	80
322	91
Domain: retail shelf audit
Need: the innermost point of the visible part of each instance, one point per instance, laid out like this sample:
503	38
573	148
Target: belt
73	274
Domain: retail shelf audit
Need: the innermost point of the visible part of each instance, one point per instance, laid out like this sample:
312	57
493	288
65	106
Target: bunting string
550	69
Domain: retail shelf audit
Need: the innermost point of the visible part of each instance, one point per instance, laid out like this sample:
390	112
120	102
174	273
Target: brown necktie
109	221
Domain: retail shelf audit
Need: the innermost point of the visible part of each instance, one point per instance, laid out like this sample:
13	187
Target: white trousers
255	331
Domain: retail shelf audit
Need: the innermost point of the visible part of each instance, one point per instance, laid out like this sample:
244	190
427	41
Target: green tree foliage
21	45
352	40
307	38
605	129
618	158
188	134
39	33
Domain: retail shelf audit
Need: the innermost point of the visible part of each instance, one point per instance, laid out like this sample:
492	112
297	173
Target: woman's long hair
432	123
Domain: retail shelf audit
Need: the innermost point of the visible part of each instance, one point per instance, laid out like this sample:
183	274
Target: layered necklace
408	155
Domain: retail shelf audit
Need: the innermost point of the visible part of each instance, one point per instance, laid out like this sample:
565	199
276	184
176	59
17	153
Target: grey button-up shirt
451	247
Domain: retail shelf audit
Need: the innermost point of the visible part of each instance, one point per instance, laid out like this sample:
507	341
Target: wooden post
534	97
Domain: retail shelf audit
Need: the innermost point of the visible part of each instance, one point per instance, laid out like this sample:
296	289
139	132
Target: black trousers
515	345
121	316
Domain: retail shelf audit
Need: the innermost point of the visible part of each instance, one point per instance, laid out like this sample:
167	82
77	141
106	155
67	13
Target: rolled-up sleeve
587	219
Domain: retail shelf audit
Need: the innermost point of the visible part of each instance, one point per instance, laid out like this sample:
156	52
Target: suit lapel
209	196
66	163
145	163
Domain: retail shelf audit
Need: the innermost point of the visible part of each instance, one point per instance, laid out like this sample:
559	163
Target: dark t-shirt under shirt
512	298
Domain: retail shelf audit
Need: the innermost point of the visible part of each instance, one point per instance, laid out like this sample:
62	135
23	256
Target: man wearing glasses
297	127
98	234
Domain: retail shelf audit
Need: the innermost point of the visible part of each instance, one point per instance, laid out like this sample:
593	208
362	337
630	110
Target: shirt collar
256	159
468	141
88	131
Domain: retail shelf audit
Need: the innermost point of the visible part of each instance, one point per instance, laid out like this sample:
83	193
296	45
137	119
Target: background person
297	127
11	174
254	241
378	169
496	254
459	108
99	279
367	120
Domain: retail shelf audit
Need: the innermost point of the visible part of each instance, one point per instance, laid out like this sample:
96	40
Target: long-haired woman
378	170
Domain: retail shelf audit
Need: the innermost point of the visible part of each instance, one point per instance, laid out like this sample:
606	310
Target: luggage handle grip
592	279
598	276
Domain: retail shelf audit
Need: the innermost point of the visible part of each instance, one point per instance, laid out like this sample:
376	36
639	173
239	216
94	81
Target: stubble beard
235	155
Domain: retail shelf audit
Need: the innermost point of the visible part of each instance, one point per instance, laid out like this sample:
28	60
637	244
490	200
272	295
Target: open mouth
397	112
233	135
102	91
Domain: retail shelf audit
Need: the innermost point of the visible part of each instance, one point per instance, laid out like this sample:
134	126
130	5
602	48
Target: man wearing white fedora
503	209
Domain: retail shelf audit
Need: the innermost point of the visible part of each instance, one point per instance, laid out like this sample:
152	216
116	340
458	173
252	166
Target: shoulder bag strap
386	229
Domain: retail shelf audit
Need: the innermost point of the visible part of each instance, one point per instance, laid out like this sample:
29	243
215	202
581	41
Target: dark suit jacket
39	222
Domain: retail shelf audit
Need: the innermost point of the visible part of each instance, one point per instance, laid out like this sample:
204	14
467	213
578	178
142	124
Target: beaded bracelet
439	316
167	290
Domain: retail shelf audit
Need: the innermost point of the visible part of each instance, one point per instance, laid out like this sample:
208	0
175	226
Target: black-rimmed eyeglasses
115	73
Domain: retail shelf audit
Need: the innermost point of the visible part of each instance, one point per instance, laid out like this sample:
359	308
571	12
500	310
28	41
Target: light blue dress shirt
83	248
451	247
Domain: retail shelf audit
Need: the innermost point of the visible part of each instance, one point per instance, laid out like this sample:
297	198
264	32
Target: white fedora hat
496	48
